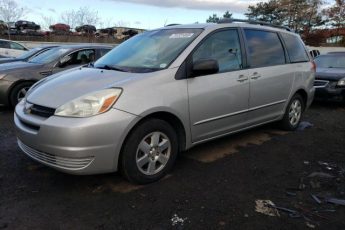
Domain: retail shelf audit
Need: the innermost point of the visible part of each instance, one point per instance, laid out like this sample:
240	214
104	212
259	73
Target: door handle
255	76
242	78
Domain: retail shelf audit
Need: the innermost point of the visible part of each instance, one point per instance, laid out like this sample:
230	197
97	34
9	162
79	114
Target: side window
4	44
80	57
16	46
224	47
295	48
103	52
265	48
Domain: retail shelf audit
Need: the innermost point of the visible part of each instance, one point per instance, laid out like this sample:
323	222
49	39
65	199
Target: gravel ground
213	186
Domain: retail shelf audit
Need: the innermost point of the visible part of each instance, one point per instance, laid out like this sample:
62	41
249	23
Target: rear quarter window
264	48
295	48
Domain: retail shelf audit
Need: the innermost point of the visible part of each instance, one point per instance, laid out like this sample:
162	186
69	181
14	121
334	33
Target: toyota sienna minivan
163	92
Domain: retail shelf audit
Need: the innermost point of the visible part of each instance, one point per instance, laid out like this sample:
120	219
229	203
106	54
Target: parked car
17	77
162	92
3	26
86	29
22	25
105	32
330	76
129	33
60	29
28	55
11	48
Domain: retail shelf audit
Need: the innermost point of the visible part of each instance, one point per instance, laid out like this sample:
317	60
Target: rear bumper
74	145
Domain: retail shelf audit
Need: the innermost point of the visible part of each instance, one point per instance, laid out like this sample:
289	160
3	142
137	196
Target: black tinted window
224	47
265	48
295	48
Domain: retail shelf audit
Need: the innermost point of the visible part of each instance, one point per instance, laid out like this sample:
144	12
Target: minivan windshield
148	52
49	56
330	61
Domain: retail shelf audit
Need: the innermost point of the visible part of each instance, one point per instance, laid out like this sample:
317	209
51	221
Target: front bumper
74	145
329	91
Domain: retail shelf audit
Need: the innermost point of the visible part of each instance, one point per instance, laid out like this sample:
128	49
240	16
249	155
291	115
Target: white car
11	49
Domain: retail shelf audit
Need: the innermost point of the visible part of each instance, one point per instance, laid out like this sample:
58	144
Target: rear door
270	77
218	103
16	49
4	48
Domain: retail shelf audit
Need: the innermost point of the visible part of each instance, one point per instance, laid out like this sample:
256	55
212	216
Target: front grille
56	161
42	111
320	83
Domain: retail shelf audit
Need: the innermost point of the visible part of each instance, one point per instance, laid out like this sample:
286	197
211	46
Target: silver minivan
163	92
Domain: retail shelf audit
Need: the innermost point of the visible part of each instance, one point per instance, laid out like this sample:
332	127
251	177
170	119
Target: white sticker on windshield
163	65
181	35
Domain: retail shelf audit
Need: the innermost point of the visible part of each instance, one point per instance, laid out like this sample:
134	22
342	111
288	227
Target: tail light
313	66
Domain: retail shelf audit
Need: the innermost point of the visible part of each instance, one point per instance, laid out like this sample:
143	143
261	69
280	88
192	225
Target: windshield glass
150	51
49	56
336	61
29	53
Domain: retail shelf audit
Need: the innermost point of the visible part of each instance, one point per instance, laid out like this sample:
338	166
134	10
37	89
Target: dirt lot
213	186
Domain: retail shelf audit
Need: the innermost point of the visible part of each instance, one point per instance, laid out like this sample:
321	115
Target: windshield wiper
111	67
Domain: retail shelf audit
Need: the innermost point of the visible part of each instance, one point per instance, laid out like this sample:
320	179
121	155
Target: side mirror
64	60
203	67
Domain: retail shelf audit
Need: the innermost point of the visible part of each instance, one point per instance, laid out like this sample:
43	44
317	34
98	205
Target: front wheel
19	92
293	113
149	152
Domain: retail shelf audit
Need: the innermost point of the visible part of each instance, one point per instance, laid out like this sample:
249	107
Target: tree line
302	16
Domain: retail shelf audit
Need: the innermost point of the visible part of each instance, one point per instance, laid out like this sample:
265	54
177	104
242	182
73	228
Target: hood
18	65
330	73
5	60
62	88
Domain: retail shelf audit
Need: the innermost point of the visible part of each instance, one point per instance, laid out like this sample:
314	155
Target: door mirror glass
64	60
203	67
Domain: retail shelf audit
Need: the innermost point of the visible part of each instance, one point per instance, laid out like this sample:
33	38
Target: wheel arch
14	84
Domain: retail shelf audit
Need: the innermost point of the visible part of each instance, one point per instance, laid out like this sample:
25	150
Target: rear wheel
293	113
19	92
149	152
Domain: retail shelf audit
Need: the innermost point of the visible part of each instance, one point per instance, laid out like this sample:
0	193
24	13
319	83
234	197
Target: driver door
75	59
218	103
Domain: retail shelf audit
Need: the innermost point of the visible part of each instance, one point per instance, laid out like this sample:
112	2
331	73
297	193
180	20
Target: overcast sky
147	14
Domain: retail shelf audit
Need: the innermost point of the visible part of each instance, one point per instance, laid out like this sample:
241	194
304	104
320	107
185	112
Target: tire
19	92
141	161
293	113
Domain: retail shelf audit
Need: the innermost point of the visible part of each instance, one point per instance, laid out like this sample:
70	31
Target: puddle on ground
214	150
304	125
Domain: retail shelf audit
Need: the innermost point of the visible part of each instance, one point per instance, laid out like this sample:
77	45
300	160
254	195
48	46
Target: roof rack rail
174	24
231	20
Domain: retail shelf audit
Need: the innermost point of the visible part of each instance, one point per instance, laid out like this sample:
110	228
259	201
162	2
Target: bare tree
70	18
47	21
10	11
82	16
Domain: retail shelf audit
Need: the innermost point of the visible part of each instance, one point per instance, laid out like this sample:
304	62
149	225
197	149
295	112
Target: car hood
18	65
61	88
5	60
330	73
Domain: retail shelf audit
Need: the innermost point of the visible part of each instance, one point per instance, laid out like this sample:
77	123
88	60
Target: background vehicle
26	56
86	29
330	76
17	77
22	25
60	29
105	32
11	48
165	91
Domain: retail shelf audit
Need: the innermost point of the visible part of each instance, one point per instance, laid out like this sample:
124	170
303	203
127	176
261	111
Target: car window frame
287	51
56	65
247	46
185	70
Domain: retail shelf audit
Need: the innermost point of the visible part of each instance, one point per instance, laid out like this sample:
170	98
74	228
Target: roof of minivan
213	26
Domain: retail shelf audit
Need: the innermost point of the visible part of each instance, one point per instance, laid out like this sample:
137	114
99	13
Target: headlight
90	104
341	82
2	76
